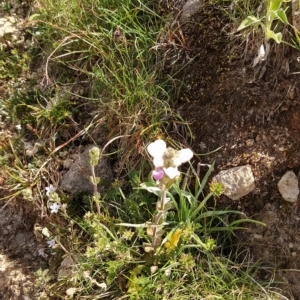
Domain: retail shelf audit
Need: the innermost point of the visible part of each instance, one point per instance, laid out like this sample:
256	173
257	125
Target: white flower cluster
167	160
54	206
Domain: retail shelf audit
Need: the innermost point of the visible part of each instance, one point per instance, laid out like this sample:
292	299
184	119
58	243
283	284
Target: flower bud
94	154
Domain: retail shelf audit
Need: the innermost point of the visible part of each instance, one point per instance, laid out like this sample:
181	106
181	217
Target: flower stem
96	195
159	215
163	196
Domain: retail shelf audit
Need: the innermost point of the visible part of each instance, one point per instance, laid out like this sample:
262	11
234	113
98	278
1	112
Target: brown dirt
254	120
19	258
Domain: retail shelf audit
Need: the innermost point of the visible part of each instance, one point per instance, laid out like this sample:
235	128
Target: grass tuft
101	73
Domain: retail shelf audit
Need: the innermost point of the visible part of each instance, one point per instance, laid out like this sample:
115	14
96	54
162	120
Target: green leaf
204	181
187	195
150	187
214	213
277	37
34	17
280	13
240	221
270	17
275	4
249	21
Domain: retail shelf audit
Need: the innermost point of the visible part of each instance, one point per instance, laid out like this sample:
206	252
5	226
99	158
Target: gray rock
288	187
237	181
77	179
66	267
190	8
9	33
7	26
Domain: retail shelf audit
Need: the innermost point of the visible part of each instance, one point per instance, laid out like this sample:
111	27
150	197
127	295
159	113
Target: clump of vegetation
101	71
176	253
273	19
274	12
104	48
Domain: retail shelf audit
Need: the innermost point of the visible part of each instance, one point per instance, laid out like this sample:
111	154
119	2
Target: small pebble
250	142
258	236
68	163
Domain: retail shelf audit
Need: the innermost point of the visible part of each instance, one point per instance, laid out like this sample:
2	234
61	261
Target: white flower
54	208
51	243
185	155
157	150
167	160
102	285
64	207
171	172
42	253
50	189
18	127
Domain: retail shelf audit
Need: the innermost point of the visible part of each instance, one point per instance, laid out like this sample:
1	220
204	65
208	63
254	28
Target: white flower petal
262	52
158	162
157	148
176	161
171	172
103	286
51	243
185	155
50	189
42	253
54	208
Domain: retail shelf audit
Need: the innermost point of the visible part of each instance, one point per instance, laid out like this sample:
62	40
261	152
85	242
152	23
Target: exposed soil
253	114
19	256
255	118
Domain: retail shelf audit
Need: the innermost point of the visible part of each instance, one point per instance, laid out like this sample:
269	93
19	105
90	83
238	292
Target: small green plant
13	64
94	154
174	255
166	162
182	223
274	12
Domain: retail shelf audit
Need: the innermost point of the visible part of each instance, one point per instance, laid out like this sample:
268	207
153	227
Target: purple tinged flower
42	253
51	243
167	160
158	174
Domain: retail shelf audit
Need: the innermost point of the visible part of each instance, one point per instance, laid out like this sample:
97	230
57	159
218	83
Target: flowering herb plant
166	161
